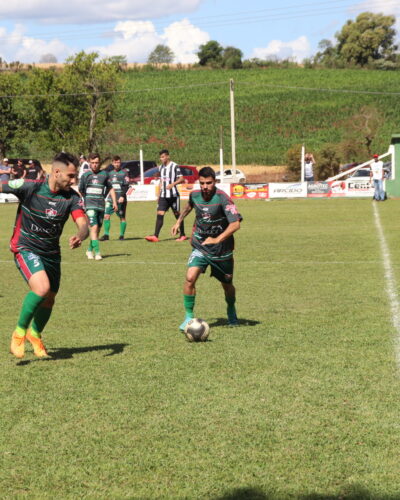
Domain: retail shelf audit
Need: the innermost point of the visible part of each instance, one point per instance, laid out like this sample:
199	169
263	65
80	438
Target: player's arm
114	199
186	211
82	233
179	180
232	228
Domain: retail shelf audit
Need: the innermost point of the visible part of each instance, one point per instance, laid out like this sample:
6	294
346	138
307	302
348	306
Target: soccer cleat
17	346
89	255
232	320
182	238
97	257
105	237
183	325
121	238
39	349
153	239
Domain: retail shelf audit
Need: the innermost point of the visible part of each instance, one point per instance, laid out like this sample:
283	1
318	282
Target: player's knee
49	301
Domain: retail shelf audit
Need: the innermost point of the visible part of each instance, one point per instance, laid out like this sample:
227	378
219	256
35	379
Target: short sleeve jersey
169	174
32	172
212	218
119	181
41	215
377	170
94	188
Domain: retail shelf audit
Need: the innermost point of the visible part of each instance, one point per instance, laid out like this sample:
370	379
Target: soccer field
302	401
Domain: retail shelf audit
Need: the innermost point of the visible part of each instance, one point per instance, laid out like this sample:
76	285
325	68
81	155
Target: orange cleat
17	346
38	347
182	238
153	239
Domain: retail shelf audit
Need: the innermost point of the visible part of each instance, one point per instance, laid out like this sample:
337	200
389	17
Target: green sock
188	303
107	225
90	247
31	302
96	246
231	309
122	227
40	319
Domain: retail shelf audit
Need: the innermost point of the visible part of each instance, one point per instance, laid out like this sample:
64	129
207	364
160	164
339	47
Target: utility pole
221	153
233	137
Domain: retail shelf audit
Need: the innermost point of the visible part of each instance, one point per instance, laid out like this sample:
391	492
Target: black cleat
121	238
105	237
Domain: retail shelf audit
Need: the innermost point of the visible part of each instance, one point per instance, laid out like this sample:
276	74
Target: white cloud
296	49
136	39
16	46
92	11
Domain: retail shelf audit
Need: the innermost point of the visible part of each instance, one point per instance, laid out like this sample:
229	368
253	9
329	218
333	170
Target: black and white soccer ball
197	330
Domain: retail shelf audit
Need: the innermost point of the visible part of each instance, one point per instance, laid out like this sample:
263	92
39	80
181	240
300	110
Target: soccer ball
197	330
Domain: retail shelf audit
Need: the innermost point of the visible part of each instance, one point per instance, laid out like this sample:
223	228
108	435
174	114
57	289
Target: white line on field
107	260
391	285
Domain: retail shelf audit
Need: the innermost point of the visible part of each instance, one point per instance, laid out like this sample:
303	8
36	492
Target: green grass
301	401
185	109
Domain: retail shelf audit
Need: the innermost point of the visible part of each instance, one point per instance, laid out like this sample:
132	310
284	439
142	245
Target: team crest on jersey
51	212
232	209
95	181
16	183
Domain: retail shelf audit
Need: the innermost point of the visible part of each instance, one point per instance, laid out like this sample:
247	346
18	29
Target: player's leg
94	234
230	298
177	213
32	269
122	219
107	221
162	207
223	271
196	266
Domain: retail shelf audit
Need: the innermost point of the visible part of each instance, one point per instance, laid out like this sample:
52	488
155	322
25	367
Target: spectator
309	163
377	176
18	171
5	170
83	166
34	170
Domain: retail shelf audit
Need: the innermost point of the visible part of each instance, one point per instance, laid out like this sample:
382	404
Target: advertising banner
8	198
146	192
287	189
249	191
318	189
186	189
352	188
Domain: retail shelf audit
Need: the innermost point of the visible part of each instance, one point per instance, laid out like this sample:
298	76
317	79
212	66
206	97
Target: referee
170	177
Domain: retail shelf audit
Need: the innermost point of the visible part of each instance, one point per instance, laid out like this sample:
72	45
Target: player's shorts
95	217
222	270
165	203
121	209
29	263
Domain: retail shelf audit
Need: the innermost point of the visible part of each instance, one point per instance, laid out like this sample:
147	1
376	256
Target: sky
29	29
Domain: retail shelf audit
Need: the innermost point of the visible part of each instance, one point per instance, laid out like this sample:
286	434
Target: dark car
133	169
152	175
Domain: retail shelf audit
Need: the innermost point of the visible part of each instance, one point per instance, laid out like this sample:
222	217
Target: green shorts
220	269
29	263
95	217
121	209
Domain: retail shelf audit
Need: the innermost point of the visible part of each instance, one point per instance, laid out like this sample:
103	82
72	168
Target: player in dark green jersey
212	240
94	186
44	208
120	182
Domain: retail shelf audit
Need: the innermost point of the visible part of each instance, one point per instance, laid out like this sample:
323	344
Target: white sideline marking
107	260
391	285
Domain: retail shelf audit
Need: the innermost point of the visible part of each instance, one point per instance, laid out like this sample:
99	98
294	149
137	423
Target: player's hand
175	229
210	241
170	186
121	199
115	207
74	242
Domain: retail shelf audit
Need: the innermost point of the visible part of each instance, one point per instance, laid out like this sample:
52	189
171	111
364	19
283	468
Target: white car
229	178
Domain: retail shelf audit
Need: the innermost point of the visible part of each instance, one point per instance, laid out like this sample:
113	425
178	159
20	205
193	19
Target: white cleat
89	255
98	256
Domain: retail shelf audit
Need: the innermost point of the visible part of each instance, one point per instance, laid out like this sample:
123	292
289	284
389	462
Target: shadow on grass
130	239
242	322
349	493
69	352
111	255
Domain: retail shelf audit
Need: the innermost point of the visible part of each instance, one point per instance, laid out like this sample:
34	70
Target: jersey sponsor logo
53	203
53	230
35	258
116	186
51	212
94	190
232	209
16	183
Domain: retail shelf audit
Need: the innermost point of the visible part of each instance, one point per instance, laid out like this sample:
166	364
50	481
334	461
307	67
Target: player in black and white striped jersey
170	177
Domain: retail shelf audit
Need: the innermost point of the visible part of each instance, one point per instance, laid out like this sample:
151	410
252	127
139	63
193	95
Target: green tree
86	104
232	58
293	161
369	38
328	163
162	54
326	55
210	53
10	85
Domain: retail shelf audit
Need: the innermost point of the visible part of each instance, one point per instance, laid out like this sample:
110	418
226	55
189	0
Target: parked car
228	176
133	168
152	175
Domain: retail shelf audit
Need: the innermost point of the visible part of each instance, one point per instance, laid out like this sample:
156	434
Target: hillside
275	109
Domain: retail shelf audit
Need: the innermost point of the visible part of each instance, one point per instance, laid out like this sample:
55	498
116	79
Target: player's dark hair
164	152
66	158
116	158
207	172
92	156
